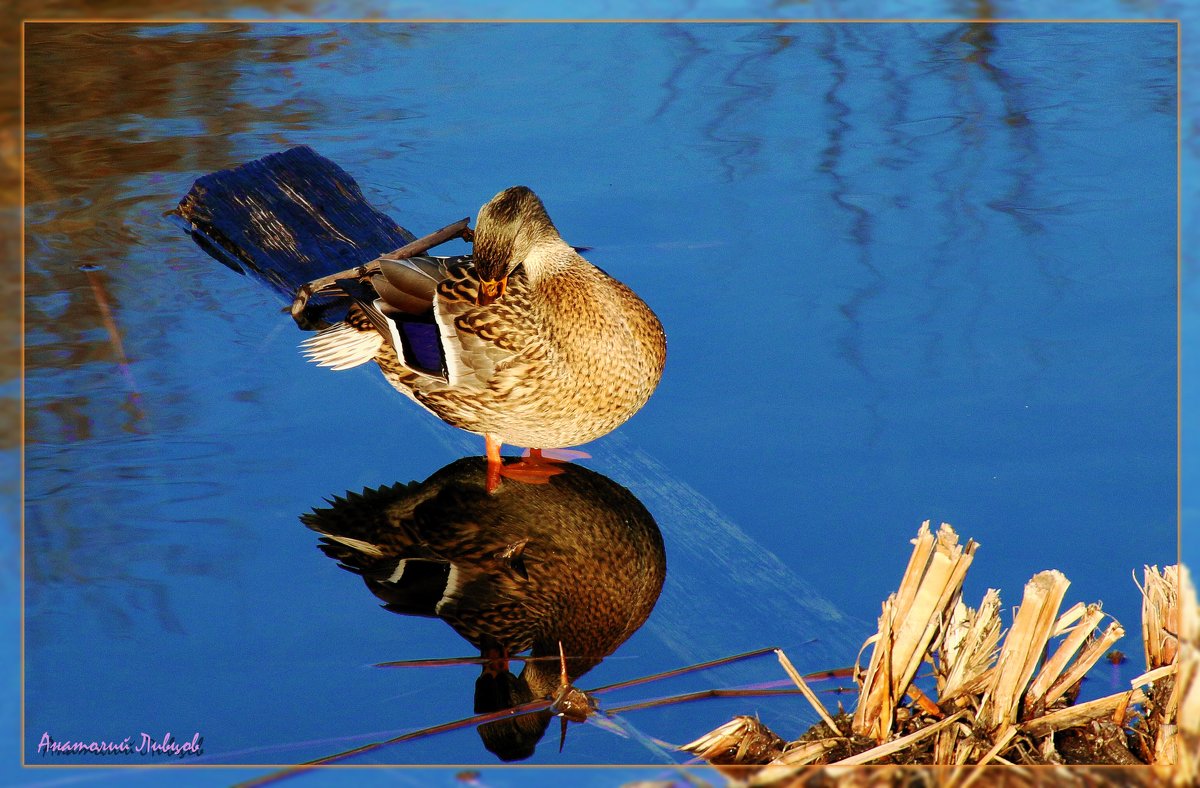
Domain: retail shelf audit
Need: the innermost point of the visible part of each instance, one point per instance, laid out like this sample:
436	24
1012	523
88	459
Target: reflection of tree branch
693	51
114	338
1019	202
744	91
962	55
67	558
961	225
111	108
82	158
981	37
850	343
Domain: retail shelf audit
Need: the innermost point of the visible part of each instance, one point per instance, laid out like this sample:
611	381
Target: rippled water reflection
906	272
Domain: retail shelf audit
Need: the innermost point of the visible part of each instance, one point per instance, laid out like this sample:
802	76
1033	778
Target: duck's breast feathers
591	315
646	328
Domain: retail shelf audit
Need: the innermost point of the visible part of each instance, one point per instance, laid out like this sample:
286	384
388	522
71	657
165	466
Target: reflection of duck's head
578	561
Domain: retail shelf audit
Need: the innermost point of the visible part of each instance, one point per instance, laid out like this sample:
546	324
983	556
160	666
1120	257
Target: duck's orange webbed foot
536	466
557	455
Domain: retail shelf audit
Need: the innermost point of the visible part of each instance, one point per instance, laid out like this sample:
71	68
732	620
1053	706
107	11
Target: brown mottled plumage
554	353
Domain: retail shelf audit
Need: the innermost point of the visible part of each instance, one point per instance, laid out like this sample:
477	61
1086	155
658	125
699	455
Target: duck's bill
490	290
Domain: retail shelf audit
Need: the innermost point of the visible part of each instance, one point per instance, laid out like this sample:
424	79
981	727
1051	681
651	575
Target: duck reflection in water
577	562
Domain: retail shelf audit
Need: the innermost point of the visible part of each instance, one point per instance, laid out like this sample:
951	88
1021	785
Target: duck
568	571
523	341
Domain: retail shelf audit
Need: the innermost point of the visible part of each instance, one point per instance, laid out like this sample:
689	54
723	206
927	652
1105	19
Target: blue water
907	272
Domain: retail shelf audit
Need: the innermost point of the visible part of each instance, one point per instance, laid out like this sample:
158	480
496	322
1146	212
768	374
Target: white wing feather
341	346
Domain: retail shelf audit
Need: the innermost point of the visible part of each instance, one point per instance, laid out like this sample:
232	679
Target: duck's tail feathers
357	532
342	346
370	533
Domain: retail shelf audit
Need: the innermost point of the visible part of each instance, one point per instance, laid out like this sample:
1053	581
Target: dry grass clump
1169	729
994	698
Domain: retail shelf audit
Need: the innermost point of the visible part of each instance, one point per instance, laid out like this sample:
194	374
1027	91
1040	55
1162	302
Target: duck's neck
549	257
541	678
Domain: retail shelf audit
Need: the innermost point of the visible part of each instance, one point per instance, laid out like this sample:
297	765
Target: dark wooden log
293	217
300	306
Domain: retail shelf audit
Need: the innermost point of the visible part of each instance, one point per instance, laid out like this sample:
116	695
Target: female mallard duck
572	567
524	342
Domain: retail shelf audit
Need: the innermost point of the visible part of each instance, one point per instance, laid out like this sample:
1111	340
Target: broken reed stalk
1009	702
1171	644
1080	714
931	585
1039	689
1022	649
1088	657
969	647
896	745
809	695
1187	681
800	754
1160	615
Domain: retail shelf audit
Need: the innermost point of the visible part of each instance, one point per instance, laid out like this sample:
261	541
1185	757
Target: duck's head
510	227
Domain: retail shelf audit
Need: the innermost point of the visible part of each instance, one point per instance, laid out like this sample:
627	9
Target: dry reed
992	698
